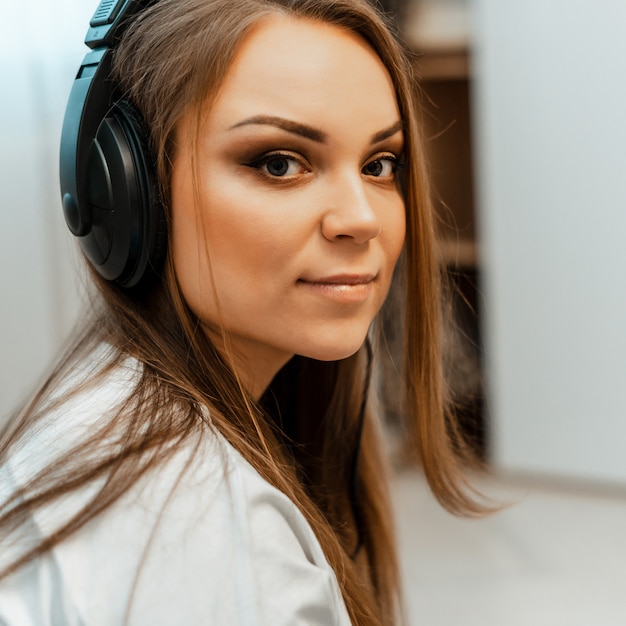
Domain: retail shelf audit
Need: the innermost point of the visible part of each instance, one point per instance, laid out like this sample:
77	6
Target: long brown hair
170	61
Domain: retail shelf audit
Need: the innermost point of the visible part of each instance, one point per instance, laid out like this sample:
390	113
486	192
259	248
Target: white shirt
213	545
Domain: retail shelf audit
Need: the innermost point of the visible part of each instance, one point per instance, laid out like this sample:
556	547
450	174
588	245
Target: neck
254	363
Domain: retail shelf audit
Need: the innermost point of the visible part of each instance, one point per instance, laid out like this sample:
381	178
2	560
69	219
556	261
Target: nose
350	215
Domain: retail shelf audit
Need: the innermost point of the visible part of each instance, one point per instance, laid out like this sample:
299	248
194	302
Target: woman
202	454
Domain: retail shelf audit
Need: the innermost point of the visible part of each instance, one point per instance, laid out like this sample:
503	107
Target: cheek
242	237
237	241
252	231
394	230
190	262
188	241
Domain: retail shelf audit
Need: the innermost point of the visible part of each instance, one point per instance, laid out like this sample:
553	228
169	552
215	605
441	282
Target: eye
278	165
383	167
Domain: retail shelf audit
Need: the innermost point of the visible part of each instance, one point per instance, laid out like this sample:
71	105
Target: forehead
299	68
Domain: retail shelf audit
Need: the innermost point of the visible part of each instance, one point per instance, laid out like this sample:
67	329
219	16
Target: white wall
437	24
551	135
40	53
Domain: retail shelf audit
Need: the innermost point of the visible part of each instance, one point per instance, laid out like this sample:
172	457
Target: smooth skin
299	220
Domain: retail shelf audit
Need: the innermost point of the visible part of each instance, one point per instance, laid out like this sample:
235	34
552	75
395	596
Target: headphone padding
128	237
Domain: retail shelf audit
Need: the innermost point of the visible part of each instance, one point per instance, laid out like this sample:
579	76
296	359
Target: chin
333	351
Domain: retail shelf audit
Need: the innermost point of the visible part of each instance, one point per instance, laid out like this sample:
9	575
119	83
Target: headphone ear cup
128	237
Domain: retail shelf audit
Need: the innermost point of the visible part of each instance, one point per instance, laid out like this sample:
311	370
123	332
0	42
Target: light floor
556	557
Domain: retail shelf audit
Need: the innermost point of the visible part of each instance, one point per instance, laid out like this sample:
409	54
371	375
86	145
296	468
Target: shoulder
205	541
202	538
229	548
78	403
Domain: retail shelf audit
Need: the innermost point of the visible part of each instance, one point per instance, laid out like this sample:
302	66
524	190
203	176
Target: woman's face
292	238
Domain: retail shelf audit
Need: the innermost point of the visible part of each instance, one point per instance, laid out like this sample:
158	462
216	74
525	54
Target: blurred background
524	112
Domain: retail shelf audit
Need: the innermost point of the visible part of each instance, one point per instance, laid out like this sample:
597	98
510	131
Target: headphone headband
108	18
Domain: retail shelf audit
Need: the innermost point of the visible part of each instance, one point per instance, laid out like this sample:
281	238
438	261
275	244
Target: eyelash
260	162
396	163
264	159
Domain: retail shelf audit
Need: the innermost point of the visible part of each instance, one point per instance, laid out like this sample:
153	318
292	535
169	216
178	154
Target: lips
340	279
341	288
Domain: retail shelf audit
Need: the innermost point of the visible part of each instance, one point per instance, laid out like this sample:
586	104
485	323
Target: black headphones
107	169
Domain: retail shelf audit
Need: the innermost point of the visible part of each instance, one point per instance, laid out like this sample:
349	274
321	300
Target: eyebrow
388	132
309	132
314	134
